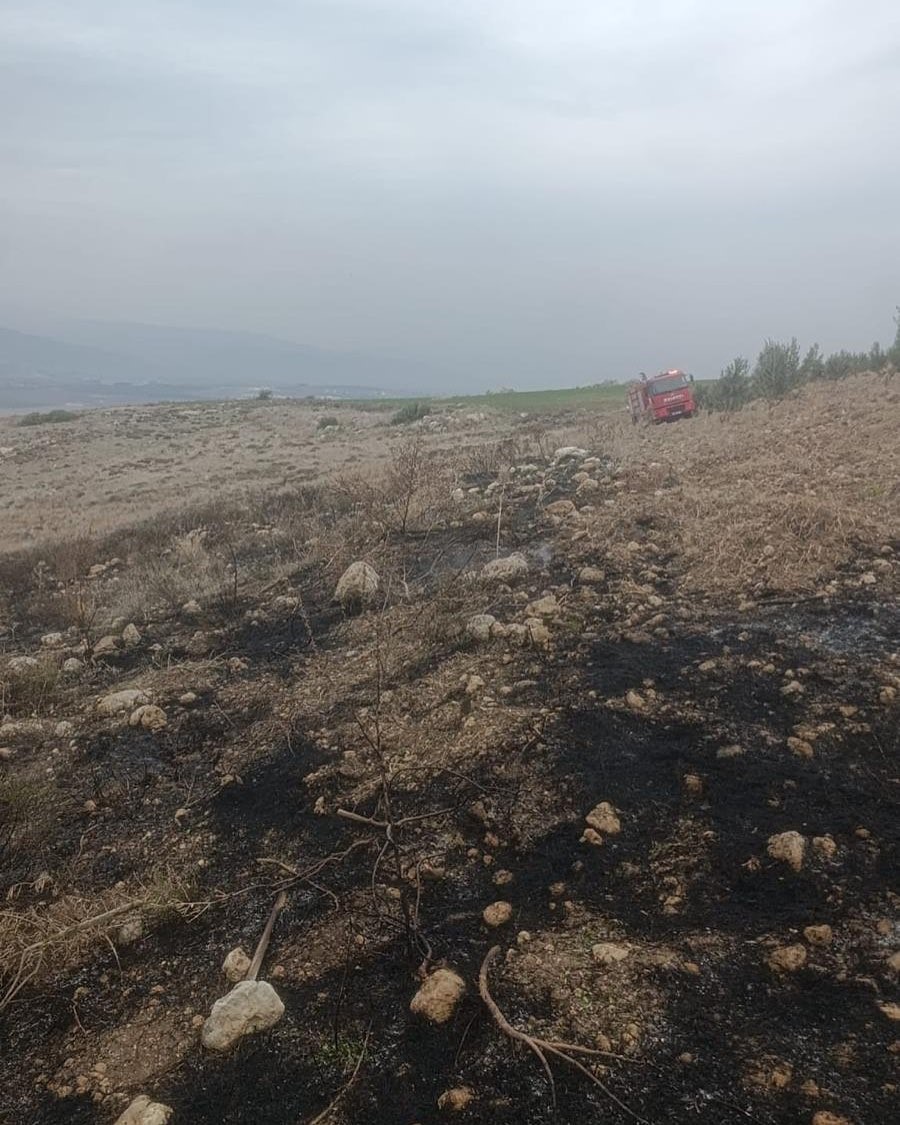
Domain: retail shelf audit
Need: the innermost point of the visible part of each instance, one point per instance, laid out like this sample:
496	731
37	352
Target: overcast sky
524	191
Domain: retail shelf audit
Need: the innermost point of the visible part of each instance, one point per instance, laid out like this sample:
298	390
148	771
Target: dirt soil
677	766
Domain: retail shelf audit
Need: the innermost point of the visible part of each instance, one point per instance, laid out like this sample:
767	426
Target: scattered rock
890	1009
439	995
199	644
543	607
143	1111
497	914
826	1117
106	646
825	846
819	935
507	569
235	965
118	701
357	586
604	819
130	931
72	666
148	717
635	701
801	747
693	784
251	1006
569	453
591	575
191	608
131	635
64	729
456	1099
733	751
52	640
789	847
21	665
609	953
560	508
537	632
479	627
788	958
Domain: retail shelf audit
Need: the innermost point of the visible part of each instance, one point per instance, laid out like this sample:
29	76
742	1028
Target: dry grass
776	497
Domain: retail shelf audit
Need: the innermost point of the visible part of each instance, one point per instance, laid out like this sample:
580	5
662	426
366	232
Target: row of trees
779	369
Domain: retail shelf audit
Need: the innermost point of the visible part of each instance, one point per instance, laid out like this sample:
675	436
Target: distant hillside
98	363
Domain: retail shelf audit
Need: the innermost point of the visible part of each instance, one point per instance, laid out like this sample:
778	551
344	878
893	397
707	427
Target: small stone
457	1099
891	1010
733	751
106	646
507	569
130	931
893	962
191	608
479	627
497	914
187	698
825	846
72	666
819	935
801	747
543	607
635	701
131	635
604	819
609	953
148	717
357	586
591	836
793	688
788	958
235	965
692	784
143	1111
53	640
789	847
251	1006
439	996
591	576
503	878
199	644
537	632
826	1117
119	701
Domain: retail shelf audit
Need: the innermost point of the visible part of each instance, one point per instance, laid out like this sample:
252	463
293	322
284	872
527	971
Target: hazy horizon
530	194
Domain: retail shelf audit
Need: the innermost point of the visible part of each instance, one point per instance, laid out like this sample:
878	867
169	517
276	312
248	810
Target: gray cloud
526	191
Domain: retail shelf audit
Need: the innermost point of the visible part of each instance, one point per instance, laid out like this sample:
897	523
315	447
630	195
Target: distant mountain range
98	363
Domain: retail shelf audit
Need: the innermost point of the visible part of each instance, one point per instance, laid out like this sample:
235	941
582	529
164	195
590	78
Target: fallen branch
544	1047
263	943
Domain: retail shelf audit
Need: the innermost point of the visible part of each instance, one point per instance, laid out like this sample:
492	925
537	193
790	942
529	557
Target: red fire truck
664	398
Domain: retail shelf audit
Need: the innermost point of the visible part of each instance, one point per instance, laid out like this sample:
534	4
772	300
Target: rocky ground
542	717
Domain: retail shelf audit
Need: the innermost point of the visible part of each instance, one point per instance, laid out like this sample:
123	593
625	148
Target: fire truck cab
664	398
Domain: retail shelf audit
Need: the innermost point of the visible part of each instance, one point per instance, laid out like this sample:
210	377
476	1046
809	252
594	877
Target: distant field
606	396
